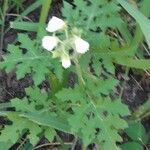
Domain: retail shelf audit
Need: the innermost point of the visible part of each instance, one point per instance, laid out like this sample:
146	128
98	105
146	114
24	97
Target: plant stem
66	33
44	14
79	73
124	82
74	143
5	6
83	147
142	112
51	144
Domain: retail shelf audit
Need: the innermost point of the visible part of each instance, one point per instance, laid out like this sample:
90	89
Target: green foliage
102	14
94	117
4	146
88	22
38	114
131	145
137	133
16	129
91	109
33	60
36	102
27	26
100	27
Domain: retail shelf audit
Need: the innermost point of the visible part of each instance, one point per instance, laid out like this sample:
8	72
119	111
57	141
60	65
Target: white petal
81	46
66	62
49	42
55	24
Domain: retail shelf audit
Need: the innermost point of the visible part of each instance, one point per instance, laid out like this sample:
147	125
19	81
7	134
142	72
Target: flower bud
49	42
66	62
55	24
81	46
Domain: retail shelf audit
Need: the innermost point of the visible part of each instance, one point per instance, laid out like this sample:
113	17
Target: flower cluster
60	48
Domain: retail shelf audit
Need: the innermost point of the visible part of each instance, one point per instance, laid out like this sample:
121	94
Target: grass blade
139	17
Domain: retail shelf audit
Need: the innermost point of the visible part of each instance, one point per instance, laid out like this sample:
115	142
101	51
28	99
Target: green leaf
97	66
49	120
49	134
18	127
130	62
100	86
57	69
35	101
136	131
93	118
32	116
22	105
35	61
15	53
121	110
70	94
34	131
109	66
4	146
131	145
26	26
98	41
85	60
103	15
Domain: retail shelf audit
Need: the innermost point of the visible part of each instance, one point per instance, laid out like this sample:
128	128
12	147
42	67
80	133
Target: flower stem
43	15
79	73
66	33
83	147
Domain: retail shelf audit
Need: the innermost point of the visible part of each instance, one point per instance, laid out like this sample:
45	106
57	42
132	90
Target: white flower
49	42
81	46
55	24
66	62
